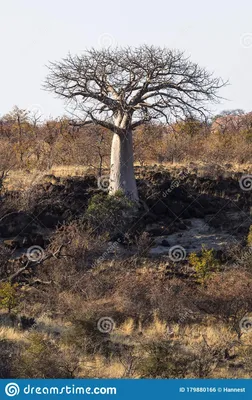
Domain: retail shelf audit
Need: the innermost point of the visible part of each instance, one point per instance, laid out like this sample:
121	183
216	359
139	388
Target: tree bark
122	175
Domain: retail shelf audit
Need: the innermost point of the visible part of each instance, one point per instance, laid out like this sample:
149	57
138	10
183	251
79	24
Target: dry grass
50	326
65	171
23	179
14	335
96	365
127	328
102	369
157	330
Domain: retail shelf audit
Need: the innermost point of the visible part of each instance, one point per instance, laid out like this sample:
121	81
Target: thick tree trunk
122	170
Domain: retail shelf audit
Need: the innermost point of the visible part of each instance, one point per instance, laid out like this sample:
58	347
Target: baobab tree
123	88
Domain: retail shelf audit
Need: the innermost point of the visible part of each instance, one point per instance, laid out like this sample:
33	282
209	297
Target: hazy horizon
218	37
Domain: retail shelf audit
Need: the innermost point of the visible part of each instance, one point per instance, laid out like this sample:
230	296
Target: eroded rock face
47	207
217	209
177	207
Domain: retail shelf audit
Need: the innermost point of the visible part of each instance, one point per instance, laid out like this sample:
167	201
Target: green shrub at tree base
110	214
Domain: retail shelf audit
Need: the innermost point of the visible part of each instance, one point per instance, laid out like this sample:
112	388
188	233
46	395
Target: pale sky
217	34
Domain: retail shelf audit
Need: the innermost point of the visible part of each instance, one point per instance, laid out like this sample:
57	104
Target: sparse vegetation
9	296
170	319
203	264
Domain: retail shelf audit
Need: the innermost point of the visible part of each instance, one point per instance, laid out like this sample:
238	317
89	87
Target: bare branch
126	87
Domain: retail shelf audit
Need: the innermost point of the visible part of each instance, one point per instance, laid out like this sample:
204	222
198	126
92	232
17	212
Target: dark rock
16	223
181	226
204	201
159	230
196	212
159	208
176	209
26	322
188	223
215	221
150	217
26	242
50	221
33	239
185	213
157	176
179	193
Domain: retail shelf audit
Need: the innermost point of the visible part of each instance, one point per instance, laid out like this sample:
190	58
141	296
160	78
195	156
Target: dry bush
169	359
9	354
5	267
75	251
43	358
228	296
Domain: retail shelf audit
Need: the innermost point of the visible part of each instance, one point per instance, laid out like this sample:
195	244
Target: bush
167	359
9	296
42	358
85	335
228	297
204	264
249	238
163	359
240	256
5	267
110	214
8	351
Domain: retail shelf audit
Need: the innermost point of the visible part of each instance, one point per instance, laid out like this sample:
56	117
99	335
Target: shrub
8	351
110	214
5	255
168	359
9	296
85	335
249	238
203	264
163	359
143	243
42	358
240	256
228	297
246	357
205	359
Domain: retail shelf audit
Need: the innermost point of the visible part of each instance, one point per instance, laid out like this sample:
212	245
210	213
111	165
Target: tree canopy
126	87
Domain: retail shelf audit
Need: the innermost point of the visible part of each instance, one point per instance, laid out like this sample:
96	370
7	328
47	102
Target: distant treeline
30	143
